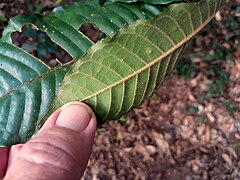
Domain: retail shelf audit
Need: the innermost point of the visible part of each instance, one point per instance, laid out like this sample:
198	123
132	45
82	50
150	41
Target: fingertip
76	116
65	145
70	115
50	121
92	126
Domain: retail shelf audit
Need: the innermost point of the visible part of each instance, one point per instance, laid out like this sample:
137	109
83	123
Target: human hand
60	150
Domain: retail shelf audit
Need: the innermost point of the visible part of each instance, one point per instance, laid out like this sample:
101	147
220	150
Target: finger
3	161
13	154
62	151
51	120
15	149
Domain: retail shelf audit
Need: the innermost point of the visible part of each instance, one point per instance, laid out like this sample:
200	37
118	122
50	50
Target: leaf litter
162	139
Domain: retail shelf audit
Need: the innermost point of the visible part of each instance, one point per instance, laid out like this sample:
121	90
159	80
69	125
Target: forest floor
190	128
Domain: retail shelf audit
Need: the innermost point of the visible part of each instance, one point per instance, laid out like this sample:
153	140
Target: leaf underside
27	86
118	75
114	76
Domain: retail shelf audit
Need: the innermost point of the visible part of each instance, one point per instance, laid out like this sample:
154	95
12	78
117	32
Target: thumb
60	151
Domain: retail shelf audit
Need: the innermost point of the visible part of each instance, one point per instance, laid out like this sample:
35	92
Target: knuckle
54	149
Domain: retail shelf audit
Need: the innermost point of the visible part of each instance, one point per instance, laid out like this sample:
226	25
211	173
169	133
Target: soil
186	130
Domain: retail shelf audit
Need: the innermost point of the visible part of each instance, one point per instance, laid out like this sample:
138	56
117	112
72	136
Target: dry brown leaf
238	64
207	134
232	152
227	159
218	16
210	117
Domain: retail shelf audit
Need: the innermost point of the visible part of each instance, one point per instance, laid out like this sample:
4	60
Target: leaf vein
37	78
83	35
175	21
148	40
121	60
155	60
162	32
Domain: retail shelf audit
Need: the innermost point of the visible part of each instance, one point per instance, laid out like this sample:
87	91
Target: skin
61	149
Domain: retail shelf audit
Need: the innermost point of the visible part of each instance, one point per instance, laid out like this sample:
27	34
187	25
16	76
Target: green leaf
62	25
115	75
27	86
147	1
3	18
118	75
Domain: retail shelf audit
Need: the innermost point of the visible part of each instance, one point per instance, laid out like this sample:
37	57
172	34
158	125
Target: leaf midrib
124	79
37	78
185	40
